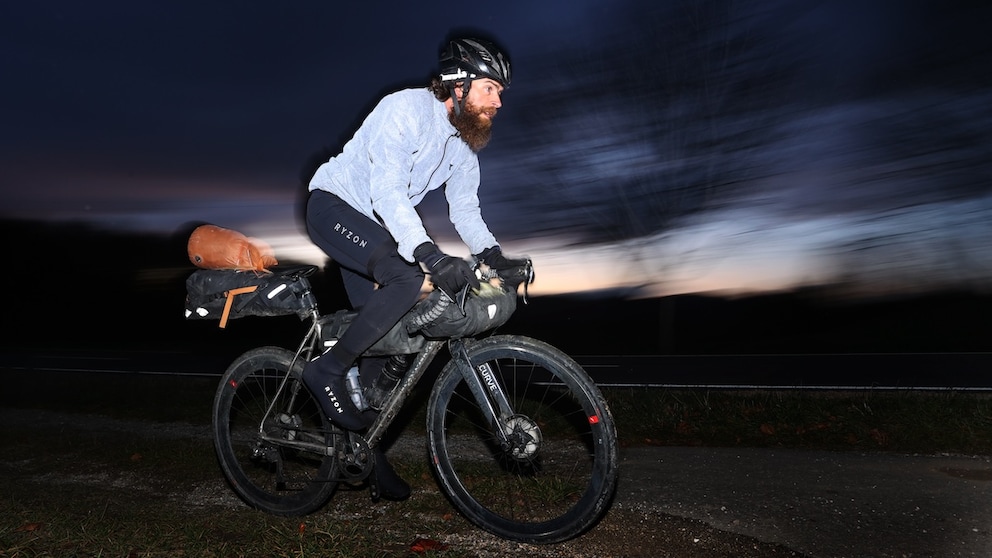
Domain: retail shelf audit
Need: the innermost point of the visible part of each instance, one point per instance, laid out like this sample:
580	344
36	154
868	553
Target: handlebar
510	278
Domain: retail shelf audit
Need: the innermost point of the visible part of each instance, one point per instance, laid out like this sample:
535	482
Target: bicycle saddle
293	270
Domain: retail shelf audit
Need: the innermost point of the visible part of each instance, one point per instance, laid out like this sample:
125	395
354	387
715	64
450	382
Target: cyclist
361	213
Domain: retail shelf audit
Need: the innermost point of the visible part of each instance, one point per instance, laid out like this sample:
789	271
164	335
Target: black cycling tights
367	255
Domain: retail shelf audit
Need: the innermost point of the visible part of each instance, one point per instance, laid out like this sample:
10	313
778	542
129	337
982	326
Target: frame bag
396	341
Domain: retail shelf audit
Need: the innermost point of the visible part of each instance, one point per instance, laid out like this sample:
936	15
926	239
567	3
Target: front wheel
270	435
554	473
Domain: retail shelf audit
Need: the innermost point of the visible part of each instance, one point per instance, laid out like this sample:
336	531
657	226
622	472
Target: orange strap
230	300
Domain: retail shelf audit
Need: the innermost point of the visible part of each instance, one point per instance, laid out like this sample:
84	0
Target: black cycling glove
448	274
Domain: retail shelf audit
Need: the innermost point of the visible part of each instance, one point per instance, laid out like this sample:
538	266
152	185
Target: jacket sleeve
462	193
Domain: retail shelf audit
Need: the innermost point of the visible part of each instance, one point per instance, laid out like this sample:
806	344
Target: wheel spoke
260	428
558	472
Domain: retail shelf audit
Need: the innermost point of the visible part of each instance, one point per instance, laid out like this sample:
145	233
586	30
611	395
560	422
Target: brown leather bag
213	247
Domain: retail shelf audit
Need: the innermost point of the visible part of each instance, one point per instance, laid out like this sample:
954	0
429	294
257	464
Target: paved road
823	504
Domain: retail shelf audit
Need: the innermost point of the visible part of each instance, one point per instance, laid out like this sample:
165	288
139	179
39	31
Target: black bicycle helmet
466	59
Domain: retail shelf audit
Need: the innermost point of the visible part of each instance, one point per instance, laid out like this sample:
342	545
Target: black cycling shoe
331	392
391	486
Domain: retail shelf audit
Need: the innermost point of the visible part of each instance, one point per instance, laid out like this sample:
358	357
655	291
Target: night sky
665	146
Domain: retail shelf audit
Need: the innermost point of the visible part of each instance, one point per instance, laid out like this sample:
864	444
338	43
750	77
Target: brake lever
528	277
526	271
524	274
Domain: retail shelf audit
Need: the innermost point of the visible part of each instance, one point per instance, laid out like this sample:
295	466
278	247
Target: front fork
487	391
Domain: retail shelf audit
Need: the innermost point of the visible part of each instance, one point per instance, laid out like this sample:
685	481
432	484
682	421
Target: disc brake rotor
524	436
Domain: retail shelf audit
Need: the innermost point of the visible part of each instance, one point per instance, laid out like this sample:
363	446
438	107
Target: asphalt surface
822	504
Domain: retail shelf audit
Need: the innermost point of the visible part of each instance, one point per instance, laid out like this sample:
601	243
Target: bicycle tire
274	478
559	478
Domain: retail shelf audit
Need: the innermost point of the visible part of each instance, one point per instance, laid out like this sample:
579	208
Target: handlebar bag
486	308
222	294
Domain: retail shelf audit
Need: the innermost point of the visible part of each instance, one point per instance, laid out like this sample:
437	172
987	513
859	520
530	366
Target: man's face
474	123
484	96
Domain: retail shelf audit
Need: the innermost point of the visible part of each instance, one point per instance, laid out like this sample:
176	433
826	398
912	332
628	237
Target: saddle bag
223	294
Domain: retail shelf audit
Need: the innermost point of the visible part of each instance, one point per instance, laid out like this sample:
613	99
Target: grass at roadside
167	499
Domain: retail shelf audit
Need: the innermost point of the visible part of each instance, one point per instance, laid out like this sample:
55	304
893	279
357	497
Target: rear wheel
555	475
257	419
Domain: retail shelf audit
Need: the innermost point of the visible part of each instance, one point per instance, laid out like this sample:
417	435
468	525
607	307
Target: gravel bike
519	438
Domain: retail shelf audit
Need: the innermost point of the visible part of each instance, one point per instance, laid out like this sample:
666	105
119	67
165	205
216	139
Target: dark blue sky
679	145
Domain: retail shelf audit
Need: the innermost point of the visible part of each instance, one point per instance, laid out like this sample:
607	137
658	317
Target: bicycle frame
487	392
391	407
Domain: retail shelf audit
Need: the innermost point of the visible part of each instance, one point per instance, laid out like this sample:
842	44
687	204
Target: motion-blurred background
690	178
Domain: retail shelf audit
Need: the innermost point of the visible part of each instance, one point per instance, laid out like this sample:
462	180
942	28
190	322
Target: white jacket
405	148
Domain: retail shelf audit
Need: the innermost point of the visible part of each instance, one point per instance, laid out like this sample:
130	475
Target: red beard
474	128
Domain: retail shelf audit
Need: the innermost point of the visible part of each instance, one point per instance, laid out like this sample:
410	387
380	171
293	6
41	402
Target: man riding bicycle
361	213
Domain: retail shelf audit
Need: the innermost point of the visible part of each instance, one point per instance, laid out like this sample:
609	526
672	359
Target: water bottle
355	389
391	373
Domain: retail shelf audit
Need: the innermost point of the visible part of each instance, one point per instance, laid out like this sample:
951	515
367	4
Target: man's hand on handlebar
513	271
450	275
